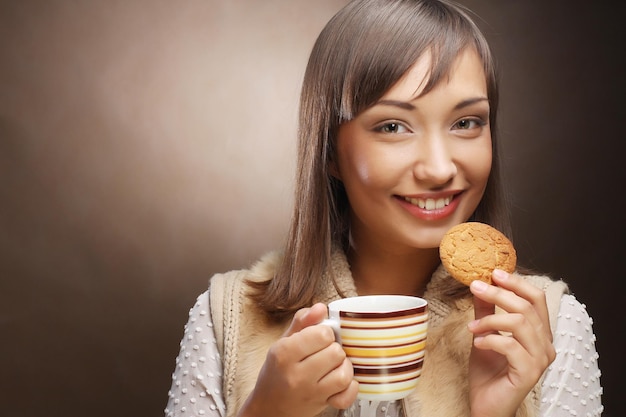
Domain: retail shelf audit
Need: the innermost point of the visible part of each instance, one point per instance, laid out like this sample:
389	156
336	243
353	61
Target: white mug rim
371	303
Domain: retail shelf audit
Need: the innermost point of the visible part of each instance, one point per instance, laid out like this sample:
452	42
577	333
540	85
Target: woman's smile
430	208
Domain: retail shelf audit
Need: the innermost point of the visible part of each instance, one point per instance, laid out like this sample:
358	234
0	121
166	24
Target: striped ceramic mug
384	337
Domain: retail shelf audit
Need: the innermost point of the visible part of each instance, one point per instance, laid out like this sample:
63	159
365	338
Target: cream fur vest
244	336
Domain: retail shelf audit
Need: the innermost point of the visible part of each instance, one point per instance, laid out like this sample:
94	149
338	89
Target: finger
522	365
339	370
340	385
330	369
482	308
307	342
306	317
533	295
515	325
344	399
510	301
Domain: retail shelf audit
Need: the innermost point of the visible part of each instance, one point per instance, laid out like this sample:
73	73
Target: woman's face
415	166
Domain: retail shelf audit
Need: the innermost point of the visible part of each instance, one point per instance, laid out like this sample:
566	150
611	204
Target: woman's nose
434	162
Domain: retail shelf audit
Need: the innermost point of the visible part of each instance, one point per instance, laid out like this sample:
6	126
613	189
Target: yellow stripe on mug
384	352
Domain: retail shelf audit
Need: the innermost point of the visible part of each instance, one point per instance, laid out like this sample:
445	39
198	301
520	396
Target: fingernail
500	274
472	324
479	286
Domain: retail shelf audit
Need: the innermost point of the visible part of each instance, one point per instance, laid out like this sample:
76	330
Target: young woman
397	144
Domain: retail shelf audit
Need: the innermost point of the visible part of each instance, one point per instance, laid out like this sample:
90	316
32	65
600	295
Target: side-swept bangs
376	42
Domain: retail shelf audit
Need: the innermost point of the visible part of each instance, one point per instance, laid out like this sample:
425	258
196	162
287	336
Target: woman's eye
392	127
466	124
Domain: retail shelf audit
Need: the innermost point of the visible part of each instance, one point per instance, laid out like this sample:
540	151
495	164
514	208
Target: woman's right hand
305	371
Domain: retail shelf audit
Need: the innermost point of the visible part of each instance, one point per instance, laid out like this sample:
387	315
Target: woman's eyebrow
470	101
397	103
409	106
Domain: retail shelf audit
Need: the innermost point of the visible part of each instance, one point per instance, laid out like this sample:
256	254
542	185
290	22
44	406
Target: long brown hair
361	53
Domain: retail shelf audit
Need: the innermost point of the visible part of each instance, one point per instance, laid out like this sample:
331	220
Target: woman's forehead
467	64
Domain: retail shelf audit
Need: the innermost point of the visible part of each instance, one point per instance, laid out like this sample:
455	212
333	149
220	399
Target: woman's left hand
511	350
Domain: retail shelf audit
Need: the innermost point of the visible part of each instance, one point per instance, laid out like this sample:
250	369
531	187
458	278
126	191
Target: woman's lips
430	208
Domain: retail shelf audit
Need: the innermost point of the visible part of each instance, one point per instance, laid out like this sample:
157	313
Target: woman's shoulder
572	307
559	296
543	281
262	270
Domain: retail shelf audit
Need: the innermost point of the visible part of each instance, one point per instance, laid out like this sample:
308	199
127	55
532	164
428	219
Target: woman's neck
379	272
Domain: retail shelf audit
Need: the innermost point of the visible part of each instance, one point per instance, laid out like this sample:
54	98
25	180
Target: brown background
145	145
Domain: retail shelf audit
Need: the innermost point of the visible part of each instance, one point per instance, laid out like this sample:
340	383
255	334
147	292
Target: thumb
306	317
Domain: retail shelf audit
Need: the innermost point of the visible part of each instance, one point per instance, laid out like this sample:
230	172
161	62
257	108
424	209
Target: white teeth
429	203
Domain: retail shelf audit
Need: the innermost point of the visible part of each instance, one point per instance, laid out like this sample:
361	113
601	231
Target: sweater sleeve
197	378
572	383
